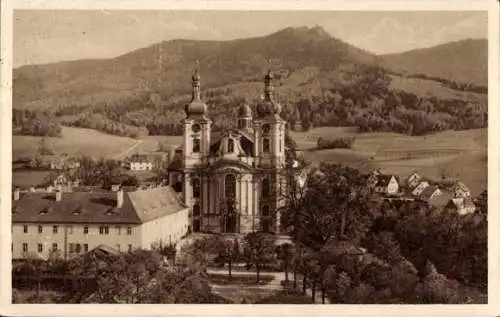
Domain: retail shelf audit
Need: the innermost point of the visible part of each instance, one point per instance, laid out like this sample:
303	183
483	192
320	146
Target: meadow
88	142
455	154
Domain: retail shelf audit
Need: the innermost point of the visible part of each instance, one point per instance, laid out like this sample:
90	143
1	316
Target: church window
230	145
266	146
265	188
196	145
230	185
196	188
196	210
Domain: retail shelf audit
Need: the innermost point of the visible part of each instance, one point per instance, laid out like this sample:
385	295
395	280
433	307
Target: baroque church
232	181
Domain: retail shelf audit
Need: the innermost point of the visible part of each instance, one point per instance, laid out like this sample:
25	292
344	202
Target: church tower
196	148
269	129
269	149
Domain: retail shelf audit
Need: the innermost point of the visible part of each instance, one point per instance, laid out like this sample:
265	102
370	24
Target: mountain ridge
165	66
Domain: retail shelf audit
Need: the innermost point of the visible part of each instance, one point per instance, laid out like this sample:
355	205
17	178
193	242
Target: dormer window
196	128
230	145
266	128
266	145
77	211
196	145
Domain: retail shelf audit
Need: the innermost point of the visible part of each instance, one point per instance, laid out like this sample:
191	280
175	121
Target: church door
230	219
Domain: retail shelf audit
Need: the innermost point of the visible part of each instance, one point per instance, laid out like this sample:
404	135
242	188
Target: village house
140	162
434	196
420	188
62	162
461	205
413	180
76	222
460	190
387	184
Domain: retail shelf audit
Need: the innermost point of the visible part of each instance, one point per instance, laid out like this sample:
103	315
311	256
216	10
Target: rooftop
96	207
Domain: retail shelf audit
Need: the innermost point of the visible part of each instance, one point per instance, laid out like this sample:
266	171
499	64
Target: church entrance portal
230	219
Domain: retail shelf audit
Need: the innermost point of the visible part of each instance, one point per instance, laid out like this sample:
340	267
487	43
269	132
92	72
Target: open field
74	141
150	143
460	154
80	141
425	87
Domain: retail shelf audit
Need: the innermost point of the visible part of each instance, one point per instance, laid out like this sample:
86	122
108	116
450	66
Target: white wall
75	234
168	229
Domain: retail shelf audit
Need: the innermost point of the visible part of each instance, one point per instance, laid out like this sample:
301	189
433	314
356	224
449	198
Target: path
124	153
274	284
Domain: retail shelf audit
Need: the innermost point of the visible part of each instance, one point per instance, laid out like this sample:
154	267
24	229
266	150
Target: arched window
266	145
196	145
265	189
196	210
196	188
265	211
230	145
230	185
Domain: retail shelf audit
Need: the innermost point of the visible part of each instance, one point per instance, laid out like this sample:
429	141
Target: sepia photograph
249	157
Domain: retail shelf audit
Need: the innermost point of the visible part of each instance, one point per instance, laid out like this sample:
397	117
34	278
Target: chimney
58	195
119	198
16	193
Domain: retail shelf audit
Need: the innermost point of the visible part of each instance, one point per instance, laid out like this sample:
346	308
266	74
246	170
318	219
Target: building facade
232	181
76	222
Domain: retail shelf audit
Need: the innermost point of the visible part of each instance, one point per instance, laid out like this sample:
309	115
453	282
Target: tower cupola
268	107
196	108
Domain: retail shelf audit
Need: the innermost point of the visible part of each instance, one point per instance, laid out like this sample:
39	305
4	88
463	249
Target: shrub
338	143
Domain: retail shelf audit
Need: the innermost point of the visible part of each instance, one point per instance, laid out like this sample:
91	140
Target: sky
46	36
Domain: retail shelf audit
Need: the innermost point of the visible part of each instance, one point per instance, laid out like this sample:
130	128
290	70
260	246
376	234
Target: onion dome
268	107
245	110
196	107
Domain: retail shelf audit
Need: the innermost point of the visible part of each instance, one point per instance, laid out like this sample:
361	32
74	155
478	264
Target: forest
361	98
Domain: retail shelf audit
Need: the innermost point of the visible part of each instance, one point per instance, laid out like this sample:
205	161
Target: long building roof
96	207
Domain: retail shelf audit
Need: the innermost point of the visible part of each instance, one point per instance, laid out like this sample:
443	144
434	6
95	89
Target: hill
166	67
320	81
462	61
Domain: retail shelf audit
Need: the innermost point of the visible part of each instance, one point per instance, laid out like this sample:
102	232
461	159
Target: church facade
232	181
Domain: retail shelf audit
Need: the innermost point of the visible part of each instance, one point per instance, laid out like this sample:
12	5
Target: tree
260	250
229	252
285	254
334	204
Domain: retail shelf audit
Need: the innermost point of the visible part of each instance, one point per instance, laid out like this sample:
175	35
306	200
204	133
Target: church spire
196	82
196	107
268	90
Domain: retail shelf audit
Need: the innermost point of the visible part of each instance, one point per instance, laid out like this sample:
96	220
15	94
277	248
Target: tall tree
261	250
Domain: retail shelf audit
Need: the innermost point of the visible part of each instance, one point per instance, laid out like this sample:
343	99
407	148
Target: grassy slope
423	87
461	154
74	141
464	61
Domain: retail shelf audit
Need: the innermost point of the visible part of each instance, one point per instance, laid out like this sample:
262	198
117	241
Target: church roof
245	110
